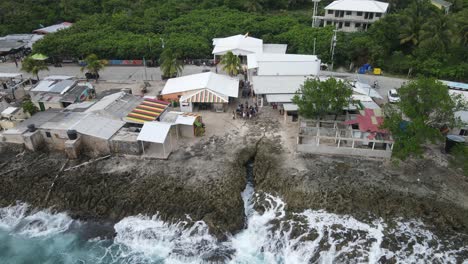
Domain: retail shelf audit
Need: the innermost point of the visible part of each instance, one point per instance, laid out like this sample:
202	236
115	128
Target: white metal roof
58	77
290	107
277	84
10	110
98	126
254	59
238	44
358	5
279	98
155	132
185	120
218	83
59	86
9	75
53	28
275	48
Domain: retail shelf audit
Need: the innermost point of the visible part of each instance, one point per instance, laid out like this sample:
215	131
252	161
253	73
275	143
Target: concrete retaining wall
322	149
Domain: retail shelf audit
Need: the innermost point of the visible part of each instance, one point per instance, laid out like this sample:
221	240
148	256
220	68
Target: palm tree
438	29
413	19
253	5
33	66
171	66
93	64
231	62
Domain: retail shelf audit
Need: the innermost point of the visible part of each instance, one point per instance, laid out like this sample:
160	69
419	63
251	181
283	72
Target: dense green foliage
231	63
316	99
33	66
416	38
459	158
425	108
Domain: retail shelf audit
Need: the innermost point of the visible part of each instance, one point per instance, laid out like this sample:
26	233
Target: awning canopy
149	110
155	132
290	107
204	96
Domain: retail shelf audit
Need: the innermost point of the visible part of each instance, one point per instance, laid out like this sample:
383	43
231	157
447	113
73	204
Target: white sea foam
271	235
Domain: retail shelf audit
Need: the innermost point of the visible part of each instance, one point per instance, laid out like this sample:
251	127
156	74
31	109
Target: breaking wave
271	235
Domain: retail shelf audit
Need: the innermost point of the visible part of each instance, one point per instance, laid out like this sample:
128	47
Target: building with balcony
353	15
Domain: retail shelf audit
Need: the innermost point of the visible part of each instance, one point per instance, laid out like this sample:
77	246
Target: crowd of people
245	111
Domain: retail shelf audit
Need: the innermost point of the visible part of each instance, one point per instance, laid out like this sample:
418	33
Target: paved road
111	73
137	73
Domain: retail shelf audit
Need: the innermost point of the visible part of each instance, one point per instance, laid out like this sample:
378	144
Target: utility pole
314	14
162	42
332	48
314	46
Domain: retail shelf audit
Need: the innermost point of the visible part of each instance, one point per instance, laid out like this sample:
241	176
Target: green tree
253	5
231	63
33	67
316	99
425	108
29	107
171	66
94	64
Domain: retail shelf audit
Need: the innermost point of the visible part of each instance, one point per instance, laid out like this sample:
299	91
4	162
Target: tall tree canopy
425	108
316	99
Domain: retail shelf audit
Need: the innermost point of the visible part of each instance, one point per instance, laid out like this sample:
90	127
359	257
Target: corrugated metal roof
456	85
218	83
155	132
358	5
279	98
98	126
54	86
277	84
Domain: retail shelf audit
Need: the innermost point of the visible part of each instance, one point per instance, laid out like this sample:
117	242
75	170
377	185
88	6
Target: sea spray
272	235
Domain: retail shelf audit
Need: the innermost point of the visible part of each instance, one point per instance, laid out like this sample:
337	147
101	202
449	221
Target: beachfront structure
28	39
156	139
53	28
353	15
351	135
201	91
243	45
60	93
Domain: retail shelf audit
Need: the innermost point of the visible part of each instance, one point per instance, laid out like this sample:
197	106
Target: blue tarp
456	85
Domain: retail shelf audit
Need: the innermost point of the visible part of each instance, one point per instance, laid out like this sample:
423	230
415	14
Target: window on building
341	13
371	15
329	22
359	13
346	24
48	134
330	12
337	13
464	132
348	13
378	14
340	25
357	25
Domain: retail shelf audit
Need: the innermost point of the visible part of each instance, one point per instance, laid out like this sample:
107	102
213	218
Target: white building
353	15
243	45
268	64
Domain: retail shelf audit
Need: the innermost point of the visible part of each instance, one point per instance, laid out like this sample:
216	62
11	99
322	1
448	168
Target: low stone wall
125	145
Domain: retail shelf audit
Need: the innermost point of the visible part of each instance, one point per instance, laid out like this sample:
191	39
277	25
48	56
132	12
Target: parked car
393	96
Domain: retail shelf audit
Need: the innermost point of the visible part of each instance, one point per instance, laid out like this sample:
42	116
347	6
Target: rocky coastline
204	182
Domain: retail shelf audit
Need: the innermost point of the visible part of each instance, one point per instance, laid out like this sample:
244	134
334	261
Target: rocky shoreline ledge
204	181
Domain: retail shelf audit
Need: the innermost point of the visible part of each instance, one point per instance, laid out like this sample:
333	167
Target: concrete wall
126	147
355	22
33	140
48	105
186	107
171	97
57	139
94	146
323	149
13	138
186	131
